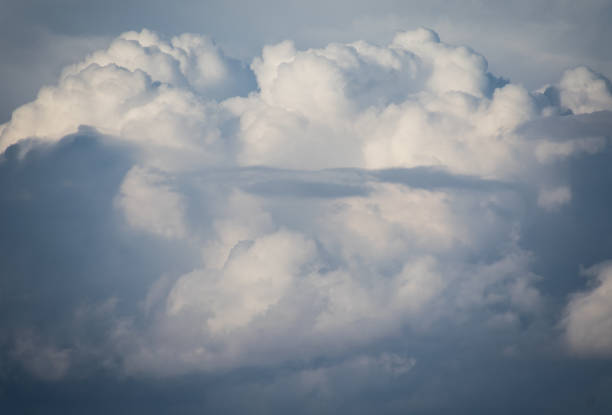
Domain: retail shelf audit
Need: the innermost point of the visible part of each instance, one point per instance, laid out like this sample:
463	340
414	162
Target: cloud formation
319	204
588	320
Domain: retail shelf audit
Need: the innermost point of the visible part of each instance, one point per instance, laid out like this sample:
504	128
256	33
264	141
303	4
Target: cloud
551	199
395	106
340	278
189	60
583	91
149	204
588	316
43	361
322	214
139	88
415	102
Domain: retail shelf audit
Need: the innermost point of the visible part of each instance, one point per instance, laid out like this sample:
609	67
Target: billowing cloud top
181	212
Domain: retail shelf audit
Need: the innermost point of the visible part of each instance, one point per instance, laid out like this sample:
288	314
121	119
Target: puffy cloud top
583	90
416	102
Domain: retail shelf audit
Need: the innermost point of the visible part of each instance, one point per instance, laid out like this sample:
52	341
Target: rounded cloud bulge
415	102
338	207
141	88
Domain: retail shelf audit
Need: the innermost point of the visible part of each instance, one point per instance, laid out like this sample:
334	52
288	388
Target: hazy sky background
305	207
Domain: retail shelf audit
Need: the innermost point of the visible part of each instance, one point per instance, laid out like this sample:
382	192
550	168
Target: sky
307	207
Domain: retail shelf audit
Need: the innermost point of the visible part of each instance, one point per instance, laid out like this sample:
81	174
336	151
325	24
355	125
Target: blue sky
274	207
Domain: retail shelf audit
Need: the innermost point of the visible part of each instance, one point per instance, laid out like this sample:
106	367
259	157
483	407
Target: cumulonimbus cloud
354	193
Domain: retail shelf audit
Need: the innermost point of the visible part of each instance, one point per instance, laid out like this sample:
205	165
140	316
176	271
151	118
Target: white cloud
286	275
149	204
416	102
354	271
583	91
588	316
141	89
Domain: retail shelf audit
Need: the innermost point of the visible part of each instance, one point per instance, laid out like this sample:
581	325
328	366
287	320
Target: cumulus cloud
150	205
140	88
583	90
588	316
317	204
357	268
415	102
